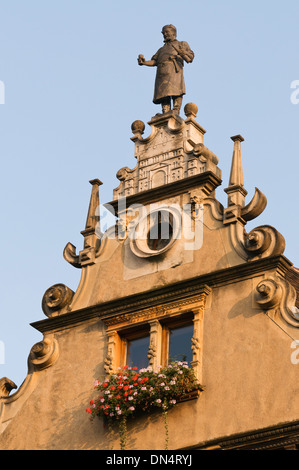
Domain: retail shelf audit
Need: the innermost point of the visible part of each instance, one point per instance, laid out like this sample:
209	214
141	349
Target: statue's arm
141	61
185	52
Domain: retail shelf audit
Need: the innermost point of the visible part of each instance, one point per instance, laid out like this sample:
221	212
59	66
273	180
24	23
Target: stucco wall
249	380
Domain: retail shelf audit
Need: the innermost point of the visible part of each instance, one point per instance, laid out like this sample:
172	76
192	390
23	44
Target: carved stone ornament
152	353
55	299
6	386
264	240
108	365
43	354
278	297
261	242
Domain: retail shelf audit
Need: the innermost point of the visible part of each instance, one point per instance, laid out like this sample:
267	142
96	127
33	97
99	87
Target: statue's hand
140	59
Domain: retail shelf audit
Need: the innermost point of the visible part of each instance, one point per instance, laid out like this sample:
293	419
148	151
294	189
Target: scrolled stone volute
268	294
6	386
264	241
257	241
43	354
55	299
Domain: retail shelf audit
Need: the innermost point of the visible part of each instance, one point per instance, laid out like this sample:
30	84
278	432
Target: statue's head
169	32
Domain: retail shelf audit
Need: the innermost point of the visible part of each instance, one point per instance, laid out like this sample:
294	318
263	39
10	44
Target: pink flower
132	408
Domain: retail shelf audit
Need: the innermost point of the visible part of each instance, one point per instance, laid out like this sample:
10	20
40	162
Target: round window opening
156	232
160	232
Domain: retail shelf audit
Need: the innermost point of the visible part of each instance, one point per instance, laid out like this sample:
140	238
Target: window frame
155	320
130	335
169	324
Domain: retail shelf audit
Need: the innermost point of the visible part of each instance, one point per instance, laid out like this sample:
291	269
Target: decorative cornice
273	437
173	292
208	180
191	303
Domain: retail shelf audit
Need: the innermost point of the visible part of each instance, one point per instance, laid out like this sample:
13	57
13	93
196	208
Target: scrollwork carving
263	241
6	386
269	294
278	296
43	354
55	299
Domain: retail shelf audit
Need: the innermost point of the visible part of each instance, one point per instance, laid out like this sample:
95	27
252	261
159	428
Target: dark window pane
137	350
180	343
161	230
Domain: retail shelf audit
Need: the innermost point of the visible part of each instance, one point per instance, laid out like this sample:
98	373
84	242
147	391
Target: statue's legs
177	103
166	105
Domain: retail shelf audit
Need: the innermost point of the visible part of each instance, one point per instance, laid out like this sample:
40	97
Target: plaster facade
235	285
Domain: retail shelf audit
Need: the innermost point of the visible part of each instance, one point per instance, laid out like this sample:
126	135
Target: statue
169	61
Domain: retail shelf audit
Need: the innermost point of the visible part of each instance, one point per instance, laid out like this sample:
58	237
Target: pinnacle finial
92	217
236	173
235	191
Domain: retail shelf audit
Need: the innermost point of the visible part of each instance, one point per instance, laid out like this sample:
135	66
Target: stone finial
92	217
236	173
235	190
137	128
91	233
191	110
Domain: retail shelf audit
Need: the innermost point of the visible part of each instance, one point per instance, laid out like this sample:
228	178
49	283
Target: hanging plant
130	391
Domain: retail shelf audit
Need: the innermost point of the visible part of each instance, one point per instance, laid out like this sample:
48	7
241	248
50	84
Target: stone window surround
155	321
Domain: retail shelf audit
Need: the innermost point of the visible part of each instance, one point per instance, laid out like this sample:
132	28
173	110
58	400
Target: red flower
134	368
91	402
126	367
126	387
112	387
105	384
118	397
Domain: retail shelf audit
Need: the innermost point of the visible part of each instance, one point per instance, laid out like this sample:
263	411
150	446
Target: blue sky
73	89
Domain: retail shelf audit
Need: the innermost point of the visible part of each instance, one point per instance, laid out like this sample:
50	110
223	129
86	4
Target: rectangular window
176	340
137	350
179	346
135	346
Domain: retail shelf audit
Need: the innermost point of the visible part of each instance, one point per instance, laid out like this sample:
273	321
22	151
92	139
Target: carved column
112	352
196	341
154	352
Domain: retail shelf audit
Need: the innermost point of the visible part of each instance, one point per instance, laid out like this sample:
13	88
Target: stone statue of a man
169	61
